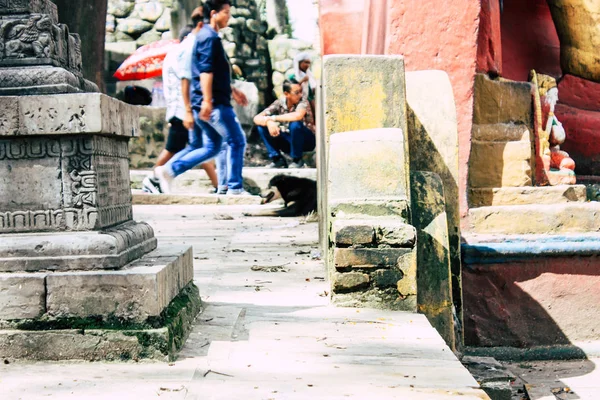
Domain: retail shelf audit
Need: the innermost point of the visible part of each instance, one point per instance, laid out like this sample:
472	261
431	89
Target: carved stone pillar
79	279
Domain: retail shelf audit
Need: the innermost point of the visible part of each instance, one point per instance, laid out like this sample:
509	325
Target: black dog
299	196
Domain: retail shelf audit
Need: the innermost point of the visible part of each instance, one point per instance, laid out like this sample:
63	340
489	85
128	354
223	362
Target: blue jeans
298	140
223	125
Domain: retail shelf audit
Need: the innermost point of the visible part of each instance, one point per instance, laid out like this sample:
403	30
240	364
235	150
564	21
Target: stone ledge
370	258
109	249
140	290
99	344
191	199
535	219
374	231
507	196
499	249
196	181
67	114
350	208
22	295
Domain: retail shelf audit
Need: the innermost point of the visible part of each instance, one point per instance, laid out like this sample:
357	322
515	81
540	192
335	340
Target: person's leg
269	141
302	139
221	160
191	155
227	123
176	141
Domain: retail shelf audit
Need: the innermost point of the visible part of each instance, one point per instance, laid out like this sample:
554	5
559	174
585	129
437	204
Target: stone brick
133	294
501	101
387	278
395	234
497	164
350	232
350	281
407	263
22	296
368	258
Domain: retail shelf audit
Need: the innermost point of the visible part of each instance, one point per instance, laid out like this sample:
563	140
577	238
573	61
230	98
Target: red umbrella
146	62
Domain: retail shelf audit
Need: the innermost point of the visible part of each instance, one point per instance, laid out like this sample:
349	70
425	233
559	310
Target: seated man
287	125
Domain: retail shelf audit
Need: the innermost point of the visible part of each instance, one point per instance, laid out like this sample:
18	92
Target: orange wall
438	34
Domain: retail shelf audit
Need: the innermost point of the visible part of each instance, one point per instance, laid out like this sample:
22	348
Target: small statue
554	166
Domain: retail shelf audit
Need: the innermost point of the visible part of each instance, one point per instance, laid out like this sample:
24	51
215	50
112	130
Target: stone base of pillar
107	249
144	310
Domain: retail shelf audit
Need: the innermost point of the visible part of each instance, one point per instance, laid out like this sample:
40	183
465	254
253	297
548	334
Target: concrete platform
267	332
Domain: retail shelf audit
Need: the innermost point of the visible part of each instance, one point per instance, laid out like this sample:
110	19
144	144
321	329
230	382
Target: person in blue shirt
211	95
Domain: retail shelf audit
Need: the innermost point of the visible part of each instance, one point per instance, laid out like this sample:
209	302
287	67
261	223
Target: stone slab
161	343
363	92
358	208
507	196
434	280
62	114
534	219
108	249
497	164
142	289
368	164
22	295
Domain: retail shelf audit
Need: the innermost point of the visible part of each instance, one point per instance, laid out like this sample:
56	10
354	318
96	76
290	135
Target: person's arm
206	83
265	119
290	117
188	121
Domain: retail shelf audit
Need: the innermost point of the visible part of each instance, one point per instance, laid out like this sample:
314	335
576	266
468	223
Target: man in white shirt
177	75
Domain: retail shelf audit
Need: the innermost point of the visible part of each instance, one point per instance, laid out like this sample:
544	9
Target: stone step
140	290
142	198
508	196
534	219
195	181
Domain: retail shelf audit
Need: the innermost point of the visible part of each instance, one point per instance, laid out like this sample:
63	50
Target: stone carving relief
25	38
23	149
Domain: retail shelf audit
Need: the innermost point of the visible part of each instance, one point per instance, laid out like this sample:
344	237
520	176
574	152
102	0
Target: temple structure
524	76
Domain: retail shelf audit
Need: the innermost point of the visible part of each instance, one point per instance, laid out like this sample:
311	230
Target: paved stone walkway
267	331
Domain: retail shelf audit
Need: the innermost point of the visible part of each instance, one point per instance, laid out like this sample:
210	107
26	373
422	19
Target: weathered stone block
350	281
387	278
438	288
395	234
497	164
363	92
369	164
134	293
350	232
502	101
368	258
407	286
22	296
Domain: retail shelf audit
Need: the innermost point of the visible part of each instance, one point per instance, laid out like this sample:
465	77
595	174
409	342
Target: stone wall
139	21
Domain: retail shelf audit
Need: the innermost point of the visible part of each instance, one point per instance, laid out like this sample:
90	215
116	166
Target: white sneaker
164	179
238	192
151	185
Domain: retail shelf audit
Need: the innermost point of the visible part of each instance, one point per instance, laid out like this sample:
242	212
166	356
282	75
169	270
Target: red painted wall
341	23
489	42
529	40
432	34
